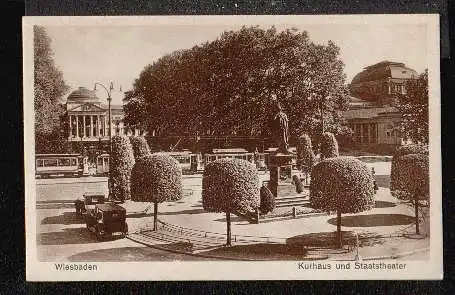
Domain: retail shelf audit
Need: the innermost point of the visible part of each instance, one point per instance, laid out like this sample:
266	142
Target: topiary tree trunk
416	210
155	216
228	229
339	237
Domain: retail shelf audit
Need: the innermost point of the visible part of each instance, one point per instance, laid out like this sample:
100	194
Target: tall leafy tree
414	108
223	87
49	88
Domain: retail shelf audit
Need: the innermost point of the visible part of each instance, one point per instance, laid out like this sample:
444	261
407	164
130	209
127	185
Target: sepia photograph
232	147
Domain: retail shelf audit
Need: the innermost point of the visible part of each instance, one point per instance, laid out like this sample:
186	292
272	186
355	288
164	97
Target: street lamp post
109	99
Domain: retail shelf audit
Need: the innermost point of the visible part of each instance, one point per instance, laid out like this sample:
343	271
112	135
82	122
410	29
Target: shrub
121	163
156	178
298	184
412	174
397	179
329	146
140	147
305	154
267	200
341	184
230	185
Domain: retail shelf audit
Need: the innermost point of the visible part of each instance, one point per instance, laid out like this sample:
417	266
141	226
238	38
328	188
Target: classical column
71	128
91	126
369	133
77	126
106	131
361	133
98	125
85	127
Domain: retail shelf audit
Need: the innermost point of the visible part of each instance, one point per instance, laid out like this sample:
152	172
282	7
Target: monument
281	161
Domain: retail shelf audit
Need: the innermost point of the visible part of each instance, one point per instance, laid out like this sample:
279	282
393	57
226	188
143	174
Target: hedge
397	184
230	185
342	184
298	184
411	177
329	146
267	200
140	147
121	163
305	154
156	178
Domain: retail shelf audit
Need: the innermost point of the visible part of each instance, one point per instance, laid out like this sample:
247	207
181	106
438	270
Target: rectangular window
50	162
64	162
39	163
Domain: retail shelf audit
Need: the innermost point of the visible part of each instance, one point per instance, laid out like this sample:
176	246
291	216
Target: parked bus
47	165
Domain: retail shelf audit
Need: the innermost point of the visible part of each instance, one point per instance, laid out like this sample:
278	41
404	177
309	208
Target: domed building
372	118
87	121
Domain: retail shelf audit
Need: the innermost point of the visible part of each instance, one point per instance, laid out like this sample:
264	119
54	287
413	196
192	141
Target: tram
102	164
188	161
235	153
47	165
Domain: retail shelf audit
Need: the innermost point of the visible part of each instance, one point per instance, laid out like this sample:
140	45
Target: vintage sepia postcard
232	147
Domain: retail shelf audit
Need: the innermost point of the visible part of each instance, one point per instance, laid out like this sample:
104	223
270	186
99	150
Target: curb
200	254
325	257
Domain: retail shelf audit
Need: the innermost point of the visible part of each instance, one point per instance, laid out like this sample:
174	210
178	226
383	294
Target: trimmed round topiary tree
412	174
230	185
120	164
397	185
267	200
305	153
341	184
298	184
140	147
329	146
156	178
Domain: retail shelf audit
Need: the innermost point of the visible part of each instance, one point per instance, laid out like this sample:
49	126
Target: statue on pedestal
280	127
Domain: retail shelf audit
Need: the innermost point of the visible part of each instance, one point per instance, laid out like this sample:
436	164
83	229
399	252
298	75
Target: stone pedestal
281	174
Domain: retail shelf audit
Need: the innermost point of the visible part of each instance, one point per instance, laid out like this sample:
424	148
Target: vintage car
106	219
88	203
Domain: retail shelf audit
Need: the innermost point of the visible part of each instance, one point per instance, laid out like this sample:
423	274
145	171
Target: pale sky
86	54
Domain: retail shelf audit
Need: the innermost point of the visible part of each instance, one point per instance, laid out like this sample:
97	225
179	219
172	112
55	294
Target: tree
140	147
305	153
223	87
156	178
398	187
121	163
230	185
49	88
414	108
412	170
341	184
267	202
329	146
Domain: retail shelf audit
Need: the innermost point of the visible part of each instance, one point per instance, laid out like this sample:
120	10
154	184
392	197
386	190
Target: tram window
73	162
39	163
100	161
64	162
50	162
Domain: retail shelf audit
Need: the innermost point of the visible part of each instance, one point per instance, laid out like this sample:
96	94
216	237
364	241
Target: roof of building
82	94
383	70
368	113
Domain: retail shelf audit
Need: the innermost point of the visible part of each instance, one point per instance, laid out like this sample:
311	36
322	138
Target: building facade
371	116
87	121
380	82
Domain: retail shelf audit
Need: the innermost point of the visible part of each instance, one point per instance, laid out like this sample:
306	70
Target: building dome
82	94
384	70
